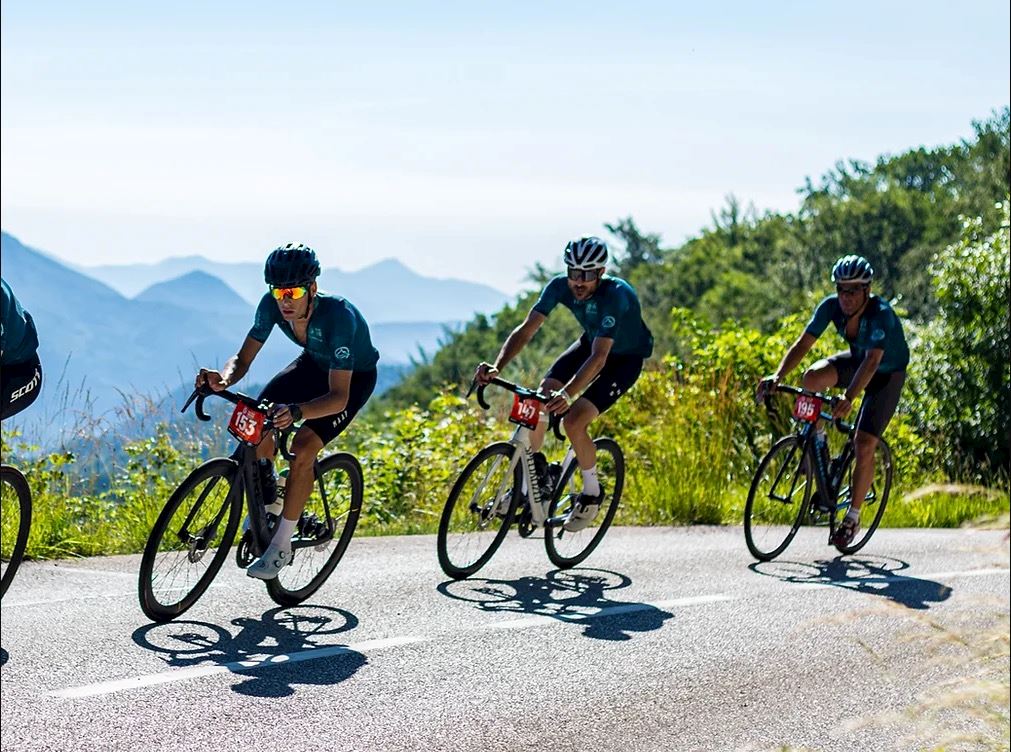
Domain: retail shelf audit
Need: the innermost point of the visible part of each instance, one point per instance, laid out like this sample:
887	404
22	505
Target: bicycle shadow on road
874	575
265	651
576	596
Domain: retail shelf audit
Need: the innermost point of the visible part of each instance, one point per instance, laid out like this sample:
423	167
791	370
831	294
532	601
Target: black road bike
15	521
794	487
194	532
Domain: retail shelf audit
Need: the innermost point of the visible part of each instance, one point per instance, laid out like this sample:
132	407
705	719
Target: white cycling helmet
586	253
853	269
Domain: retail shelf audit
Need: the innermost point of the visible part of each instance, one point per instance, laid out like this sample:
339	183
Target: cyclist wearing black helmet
595	370
326	385
875	365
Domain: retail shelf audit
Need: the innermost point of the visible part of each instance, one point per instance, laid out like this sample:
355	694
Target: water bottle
275	505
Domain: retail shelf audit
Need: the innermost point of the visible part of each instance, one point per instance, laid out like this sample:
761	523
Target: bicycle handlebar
523	392
832	401
201	393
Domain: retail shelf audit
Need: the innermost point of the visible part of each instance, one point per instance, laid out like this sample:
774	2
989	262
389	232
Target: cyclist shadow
576	596
874	575
265	651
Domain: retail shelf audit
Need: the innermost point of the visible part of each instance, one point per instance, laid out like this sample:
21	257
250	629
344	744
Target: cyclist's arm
519	338
599	350
865	372
237	365
332	402
797	352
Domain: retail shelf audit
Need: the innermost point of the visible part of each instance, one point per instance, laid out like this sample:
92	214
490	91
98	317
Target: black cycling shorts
881	396
20	384
617	376
302	380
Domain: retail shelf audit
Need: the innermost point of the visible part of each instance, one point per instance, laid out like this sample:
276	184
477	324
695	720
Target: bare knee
865	444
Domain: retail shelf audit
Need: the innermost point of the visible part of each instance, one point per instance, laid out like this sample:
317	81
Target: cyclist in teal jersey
595	370
875	365
20	368
326	385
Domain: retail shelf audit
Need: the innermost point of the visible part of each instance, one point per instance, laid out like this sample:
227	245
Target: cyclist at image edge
875	365
595	370
326	385
20	369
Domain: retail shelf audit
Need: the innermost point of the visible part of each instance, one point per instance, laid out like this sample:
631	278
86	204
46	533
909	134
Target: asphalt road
668	639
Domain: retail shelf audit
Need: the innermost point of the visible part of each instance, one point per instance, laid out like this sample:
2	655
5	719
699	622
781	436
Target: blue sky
467	139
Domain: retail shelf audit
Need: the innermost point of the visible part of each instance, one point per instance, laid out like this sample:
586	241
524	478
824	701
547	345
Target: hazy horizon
467	141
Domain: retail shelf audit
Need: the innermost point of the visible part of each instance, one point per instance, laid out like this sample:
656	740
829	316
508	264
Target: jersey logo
877	335
342	352
607	323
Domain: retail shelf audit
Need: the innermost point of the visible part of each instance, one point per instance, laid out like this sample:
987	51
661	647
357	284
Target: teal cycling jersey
612	311
879	329
18	339
337	337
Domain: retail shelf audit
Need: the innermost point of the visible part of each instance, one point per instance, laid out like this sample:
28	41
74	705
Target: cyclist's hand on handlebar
842	408
485	373
559	402
282	417
211	379
765	387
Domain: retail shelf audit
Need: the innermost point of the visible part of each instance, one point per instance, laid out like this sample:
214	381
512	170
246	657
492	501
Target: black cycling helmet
853	269
290	265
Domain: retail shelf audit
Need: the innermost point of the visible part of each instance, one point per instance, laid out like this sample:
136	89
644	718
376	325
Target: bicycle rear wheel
875	501
190	540
15	522
473	524
567	549
779	494
340	482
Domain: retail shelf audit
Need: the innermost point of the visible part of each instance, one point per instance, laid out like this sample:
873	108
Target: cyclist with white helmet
326	385
596	369
874	365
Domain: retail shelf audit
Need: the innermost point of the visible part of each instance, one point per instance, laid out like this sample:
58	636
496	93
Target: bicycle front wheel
339	489
567	549
874	502
779	494
15	522
480	506
190	540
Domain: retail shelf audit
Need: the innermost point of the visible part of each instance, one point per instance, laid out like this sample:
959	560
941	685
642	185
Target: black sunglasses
850	289
583	275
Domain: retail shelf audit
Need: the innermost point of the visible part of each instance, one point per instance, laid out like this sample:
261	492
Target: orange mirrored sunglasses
294	293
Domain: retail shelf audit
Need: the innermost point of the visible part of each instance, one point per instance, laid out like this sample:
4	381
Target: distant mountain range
372	289
105	348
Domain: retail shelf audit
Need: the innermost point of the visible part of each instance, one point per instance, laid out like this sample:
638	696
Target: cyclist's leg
563	369
20	385
830	372
298	381
880	400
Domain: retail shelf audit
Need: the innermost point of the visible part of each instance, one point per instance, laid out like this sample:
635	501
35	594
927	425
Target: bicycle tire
302	578
12	477
208	475
878	496
566	549
477	520
762	524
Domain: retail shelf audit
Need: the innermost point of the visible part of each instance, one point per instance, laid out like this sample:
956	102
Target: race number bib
807	408
525	412
247	424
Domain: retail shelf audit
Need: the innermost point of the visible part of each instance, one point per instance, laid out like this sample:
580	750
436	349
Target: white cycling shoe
584	510
268	566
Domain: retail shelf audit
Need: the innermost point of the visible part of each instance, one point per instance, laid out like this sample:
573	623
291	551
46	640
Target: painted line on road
95	596
194	672
874	580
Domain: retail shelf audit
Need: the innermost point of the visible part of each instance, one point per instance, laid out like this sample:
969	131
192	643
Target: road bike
793	486
194	532
15	521
503	484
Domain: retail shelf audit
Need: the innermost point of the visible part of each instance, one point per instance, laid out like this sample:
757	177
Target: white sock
853	514
282	534
591	484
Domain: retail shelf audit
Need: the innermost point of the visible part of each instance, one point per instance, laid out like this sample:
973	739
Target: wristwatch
296	413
